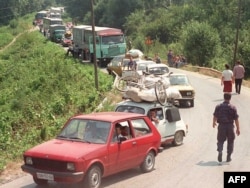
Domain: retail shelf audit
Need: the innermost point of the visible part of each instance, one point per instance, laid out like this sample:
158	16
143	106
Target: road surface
193	164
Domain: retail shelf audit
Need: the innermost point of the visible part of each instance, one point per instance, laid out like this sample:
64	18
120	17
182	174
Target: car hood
64	149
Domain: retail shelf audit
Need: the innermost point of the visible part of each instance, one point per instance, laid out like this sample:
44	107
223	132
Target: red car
93	146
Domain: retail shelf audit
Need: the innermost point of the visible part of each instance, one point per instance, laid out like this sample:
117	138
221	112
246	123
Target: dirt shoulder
12	171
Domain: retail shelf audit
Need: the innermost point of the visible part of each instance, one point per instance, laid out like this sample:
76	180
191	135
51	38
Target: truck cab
170	126
57	32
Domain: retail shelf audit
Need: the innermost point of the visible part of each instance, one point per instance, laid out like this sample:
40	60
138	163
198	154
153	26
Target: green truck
110	42
56	32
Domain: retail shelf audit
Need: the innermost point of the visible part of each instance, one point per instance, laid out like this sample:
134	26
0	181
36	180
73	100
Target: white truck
56	32
170	126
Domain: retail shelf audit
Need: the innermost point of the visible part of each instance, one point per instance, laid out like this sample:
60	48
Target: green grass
40	89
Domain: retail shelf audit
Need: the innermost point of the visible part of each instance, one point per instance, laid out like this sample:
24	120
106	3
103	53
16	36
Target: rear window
131	109
140	127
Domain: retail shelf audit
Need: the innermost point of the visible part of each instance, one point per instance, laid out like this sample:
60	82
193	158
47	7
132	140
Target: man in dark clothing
226	115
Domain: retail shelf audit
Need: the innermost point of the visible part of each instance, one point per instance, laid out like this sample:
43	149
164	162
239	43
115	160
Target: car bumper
160	149
184	101
70	177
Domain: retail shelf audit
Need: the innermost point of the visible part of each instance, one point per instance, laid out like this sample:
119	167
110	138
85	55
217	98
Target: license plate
45	176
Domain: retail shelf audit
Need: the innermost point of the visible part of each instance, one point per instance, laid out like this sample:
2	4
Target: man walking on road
238	72
225	114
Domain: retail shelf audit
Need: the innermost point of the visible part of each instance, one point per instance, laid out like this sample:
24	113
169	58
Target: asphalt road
193	164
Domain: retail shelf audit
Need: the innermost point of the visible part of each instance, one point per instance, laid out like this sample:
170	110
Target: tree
200	42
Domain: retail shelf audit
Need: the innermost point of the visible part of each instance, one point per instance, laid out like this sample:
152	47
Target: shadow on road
211	163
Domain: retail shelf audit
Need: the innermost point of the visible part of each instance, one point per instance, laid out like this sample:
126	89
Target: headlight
189	93
70	166
29	161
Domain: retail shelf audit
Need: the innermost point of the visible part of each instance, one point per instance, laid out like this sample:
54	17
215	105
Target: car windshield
178	80
116	39
86	130
158	70
131	109
142	66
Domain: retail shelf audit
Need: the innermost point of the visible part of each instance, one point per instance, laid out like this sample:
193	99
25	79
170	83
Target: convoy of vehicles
93	146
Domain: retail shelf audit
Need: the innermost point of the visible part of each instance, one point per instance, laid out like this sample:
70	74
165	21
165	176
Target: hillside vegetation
40	88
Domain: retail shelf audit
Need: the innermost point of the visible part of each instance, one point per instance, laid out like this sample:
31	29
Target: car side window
159	113
121	129
140	127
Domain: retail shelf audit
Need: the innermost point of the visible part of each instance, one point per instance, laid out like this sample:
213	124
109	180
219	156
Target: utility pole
237	33
94	44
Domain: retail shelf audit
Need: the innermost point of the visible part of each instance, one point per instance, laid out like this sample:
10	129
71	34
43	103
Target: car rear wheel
93	177
148	163
178	138
40	181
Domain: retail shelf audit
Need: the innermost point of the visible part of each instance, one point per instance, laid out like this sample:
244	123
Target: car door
166	128
122	155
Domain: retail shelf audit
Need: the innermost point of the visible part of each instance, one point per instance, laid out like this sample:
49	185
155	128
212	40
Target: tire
40	181
123	83
192	103
148	163
93	177
178	138
160	93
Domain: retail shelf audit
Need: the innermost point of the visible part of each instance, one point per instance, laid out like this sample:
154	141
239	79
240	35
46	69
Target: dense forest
209	33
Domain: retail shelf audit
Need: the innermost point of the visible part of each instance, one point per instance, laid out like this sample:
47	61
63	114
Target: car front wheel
148	163
93	177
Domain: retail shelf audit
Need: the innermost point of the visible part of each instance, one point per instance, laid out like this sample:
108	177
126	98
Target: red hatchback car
93	146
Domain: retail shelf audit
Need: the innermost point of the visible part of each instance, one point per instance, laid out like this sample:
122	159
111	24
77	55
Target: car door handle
134	143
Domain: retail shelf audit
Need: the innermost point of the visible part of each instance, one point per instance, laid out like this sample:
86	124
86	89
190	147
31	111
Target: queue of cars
118	66
92	146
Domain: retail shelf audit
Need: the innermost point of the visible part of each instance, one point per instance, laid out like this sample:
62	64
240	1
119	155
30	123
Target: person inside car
153	117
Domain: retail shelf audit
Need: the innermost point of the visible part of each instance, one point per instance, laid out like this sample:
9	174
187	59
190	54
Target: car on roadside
115	65
181	82
171	126
67	41
119	65
91	146
157	69
142	65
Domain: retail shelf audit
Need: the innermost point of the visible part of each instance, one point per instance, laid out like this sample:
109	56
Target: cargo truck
110	42
50	21
56	32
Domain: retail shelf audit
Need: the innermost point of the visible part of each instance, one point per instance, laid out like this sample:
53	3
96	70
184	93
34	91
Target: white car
157	69
171	127
141	65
